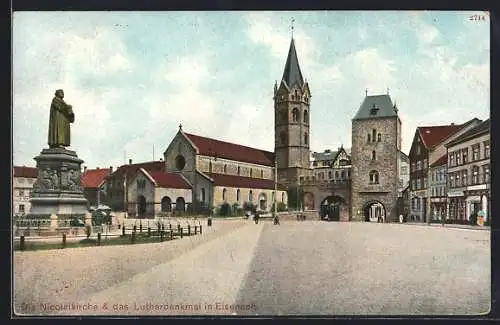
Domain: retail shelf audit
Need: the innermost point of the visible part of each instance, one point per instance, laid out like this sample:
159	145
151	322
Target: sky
134	77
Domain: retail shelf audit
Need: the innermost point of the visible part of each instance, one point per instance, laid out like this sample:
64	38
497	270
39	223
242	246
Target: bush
249	206
224	210
281	207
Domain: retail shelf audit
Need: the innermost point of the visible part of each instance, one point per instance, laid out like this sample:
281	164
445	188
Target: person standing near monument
61	115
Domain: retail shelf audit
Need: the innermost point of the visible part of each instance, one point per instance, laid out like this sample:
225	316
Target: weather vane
291	25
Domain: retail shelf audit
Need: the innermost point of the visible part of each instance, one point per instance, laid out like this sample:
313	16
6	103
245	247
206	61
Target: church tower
291	121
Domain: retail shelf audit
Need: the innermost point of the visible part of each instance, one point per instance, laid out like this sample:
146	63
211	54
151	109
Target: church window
210	166
373	177
282	196
306	138
379	137
250	196
374	155
224	194
238	195
225	169
374	134
202	195
283	138
295	114
251	172
180	162
297	95
306	116
239	170
261	173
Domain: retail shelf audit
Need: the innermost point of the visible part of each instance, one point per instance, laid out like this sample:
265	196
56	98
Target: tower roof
292	74
376	106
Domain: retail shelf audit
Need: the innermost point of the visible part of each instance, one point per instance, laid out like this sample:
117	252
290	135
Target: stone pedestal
57	189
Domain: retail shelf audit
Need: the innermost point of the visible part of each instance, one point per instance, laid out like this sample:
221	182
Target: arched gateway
332	208
374	211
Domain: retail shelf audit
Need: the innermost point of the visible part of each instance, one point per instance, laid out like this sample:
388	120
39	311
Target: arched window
210	166
202	195
379	137
225	169
374	135
329	175
373	177
369	137
166	204
342	175
224	194
282	196
250	196
297	94
238	195
261	173
251	172
306	116
336	175
239	170
283	138
295	114
374	155
306	138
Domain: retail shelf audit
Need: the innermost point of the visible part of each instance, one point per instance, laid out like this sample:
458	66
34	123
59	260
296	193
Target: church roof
226	150
133	168
376	106
292	74
27	172
243	182
169	180
92	178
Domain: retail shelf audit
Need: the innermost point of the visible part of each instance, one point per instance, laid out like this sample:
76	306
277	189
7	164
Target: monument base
57	190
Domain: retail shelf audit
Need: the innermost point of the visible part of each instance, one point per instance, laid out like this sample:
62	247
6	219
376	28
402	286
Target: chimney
84	169
130	161
161	159
110	169
97	168
452	124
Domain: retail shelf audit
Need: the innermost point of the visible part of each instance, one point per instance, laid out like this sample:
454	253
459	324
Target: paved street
241	268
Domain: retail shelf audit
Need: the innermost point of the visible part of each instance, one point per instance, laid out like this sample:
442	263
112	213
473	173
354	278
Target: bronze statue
61	115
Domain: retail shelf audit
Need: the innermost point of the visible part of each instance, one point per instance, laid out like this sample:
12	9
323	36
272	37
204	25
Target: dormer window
374	110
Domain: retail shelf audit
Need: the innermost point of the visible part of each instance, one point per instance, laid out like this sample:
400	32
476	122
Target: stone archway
308	201
166	204
331	207
180	204
374	211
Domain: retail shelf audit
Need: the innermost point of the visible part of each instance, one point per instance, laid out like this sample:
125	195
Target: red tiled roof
169	180
243	182
227	150
23	171
131	169
433	135
92	178
441	161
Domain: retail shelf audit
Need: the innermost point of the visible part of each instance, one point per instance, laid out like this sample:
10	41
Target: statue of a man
61	115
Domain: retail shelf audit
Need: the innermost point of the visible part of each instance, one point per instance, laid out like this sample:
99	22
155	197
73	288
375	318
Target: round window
180	162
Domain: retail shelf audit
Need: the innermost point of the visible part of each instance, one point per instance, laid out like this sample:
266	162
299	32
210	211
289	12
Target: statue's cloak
61	115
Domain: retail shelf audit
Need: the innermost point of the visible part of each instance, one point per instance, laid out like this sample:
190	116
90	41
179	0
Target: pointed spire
366	92
292	74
